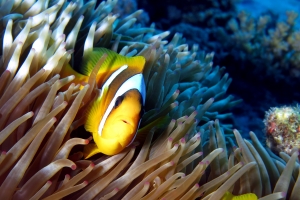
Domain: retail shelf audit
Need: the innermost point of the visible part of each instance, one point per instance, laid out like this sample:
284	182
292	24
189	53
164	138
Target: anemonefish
230	196
114	117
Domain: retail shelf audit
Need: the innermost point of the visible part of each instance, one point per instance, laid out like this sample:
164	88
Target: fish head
123	120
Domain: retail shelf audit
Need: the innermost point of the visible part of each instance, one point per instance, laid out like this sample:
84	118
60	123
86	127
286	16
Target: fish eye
118	101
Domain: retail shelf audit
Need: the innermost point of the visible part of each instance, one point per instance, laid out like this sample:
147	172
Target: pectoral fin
108	146
95	113
90	150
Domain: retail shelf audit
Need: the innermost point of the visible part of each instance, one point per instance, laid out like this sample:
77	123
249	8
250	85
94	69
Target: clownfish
230	196
114	116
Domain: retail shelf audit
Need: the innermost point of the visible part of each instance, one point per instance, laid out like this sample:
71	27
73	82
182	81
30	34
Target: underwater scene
140	99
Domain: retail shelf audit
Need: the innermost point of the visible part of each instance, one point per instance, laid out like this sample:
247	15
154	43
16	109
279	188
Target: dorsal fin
113	62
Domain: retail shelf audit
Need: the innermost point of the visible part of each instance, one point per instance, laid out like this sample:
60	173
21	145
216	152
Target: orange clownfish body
114	117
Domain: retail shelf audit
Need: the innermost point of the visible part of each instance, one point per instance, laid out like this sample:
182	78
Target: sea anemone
186	157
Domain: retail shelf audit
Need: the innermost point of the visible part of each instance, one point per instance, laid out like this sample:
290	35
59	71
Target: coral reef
187	157
264	43
282	129
270	45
